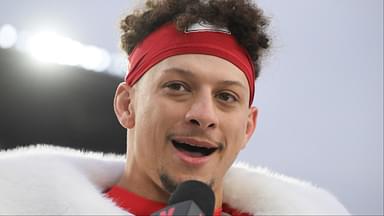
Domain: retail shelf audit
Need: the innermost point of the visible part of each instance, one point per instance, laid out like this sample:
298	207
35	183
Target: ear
123	105
251	125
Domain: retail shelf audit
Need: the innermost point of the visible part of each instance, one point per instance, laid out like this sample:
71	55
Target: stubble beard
170	184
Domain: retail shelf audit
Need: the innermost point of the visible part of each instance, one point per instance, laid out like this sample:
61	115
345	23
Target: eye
176	86
227	97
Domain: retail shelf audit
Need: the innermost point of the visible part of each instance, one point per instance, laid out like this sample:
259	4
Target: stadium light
50	47
94	58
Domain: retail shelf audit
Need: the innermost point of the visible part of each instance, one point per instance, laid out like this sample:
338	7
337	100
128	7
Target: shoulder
49	161
261	191
56	180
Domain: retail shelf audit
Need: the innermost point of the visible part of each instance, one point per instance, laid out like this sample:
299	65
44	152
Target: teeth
194	145
193	149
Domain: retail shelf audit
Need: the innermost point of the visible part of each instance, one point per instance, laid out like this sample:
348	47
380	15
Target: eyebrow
230	82
190	74
180	71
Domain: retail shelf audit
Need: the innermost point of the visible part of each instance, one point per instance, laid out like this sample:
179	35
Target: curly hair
241	17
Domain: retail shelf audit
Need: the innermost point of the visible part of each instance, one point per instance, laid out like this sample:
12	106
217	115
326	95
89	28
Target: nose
202	113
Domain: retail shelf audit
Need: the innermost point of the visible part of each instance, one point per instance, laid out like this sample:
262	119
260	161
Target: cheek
235	130
154	120
168	109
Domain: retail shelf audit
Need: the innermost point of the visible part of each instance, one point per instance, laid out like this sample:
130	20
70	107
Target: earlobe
123	105
251	124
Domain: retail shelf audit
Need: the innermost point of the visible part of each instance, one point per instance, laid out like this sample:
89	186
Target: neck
134	180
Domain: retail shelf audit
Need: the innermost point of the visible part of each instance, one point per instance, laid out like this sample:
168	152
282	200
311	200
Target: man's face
191	118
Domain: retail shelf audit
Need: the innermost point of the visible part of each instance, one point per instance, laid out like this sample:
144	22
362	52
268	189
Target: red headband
167	41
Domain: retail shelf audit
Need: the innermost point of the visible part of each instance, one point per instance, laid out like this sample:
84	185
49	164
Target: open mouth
193	150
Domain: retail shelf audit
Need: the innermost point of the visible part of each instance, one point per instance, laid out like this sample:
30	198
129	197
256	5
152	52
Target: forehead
199	66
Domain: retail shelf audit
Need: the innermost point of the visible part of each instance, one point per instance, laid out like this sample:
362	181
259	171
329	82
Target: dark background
58	105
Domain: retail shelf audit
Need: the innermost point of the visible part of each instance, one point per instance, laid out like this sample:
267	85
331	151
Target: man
187	106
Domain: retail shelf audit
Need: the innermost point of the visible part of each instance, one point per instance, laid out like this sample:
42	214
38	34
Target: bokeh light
8	36
53	48
94	58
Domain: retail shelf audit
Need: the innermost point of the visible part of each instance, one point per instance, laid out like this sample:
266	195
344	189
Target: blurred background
320	94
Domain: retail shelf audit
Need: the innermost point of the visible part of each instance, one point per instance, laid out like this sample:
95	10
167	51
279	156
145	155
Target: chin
170	183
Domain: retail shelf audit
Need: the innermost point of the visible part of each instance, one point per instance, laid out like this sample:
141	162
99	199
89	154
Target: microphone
191	198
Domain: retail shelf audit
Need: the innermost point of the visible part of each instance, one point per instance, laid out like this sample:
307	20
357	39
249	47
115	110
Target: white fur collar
55	180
